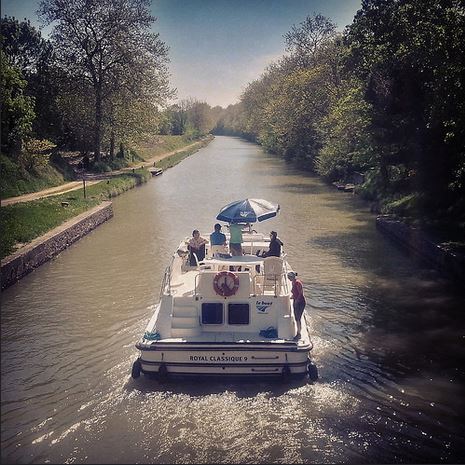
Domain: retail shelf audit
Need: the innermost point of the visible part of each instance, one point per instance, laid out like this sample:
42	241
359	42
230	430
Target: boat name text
217	358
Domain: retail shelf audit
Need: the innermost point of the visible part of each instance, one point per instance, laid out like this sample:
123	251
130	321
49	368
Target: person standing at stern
235	241
299	301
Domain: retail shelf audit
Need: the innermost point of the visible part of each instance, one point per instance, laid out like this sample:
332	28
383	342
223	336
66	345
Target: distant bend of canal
388	336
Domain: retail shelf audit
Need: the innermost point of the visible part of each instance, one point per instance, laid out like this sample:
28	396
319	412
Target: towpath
91	178
67	187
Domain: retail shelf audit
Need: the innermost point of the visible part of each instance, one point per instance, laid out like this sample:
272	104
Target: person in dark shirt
275	246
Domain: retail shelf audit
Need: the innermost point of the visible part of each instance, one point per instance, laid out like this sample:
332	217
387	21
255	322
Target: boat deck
231	337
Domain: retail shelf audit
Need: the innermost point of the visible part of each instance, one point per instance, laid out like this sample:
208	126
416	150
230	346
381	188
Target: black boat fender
136	369
312	371
162	372
286	373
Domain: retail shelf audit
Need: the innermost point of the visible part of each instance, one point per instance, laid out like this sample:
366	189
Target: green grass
22	222
159	145
14	181
174	159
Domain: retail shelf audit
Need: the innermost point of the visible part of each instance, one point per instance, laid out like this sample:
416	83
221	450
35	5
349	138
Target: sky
216	47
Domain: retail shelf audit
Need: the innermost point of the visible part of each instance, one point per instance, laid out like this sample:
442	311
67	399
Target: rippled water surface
389	337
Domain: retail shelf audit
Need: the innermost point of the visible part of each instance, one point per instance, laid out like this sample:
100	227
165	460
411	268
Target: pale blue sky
218	46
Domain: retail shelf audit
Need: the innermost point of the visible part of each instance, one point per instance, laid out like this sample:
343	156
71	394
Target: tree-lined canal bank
388	336
23	223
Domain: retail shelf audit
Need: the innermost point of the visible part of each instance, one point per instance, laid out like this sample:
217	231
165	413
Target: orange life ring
226	283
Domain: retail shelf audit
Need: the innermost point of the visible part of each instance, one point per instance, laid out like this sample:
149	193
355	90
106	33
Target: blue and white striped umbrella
248	211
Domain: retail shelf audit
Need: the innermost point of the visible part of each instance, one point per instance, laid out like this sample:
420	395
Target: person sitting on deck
275	246
196	246
218	240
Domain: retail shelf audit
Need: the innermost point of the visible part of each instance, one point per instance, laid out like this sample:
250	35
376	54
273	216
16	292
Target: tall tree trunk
112	145
383	170
98	121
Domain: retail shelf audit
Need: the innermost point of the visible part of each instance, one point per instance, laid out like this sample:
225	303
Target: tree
347	145
179	114
410	53
17	108
306	41
34	57
107	43
200	118
23	44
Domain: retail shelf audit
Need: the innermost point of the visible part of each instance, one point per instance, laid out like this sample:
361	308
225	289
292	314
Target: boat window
212	314
238	314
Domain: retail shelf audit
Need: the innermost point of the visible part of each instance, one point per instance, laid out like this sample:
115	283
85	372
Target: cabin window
212	314
238	314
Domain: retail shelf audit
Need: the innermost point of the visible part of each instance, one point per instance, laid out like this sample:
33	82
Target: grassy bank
22	222
158	145
15	181
174	159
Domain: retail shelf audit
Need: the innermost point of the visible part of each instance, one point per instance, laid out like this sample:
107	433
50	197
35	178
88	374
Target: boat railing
275	282
165	288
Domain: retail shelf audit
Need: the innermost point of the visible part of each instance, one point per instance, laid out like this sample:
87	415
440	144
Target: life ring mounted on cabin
226	283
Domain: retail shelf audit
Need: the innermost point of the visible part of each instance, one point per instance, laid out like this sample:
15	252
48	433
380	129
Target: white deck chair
273	273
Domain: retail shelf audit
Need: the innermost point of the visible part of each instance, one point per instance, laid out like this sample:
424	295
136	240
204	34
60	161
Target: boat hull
239	359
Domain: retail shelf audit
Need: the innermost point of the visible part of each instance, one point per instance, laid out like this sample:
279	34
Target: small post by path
84	184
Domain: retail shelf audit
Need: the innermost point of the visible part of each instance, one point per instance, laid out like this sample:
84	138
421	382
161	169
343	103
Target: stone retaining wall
45	247
419	244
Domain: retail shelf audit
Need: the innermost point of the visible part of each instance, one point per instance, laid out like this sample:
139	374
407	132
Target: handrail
195	284
166	281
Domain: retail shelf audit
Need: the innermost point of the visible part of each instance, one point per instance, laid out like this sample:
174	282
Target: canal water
388	333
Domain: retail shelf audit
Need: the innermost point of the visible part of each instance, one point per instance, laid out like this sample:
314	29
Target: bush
371	188
402	206
118	163
100	167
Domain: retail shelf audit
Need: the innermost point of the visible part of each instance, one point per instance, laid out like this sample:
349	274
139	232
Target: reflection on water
388	336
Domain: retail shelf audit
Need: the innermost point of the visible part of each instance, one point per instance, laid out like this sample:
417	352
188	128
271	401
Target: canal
389	337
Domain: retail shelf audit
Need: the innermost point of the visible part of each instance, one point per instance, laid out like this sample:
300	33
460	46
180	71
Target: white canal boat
225	316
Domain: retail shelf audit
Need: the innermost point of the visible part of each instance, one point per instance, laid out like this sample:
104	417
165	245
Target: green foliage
23	44
16	181
385	99
405	206
17	108
110	46
347	140
118	163
410	54
35	153
100	167
33	56
189	117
